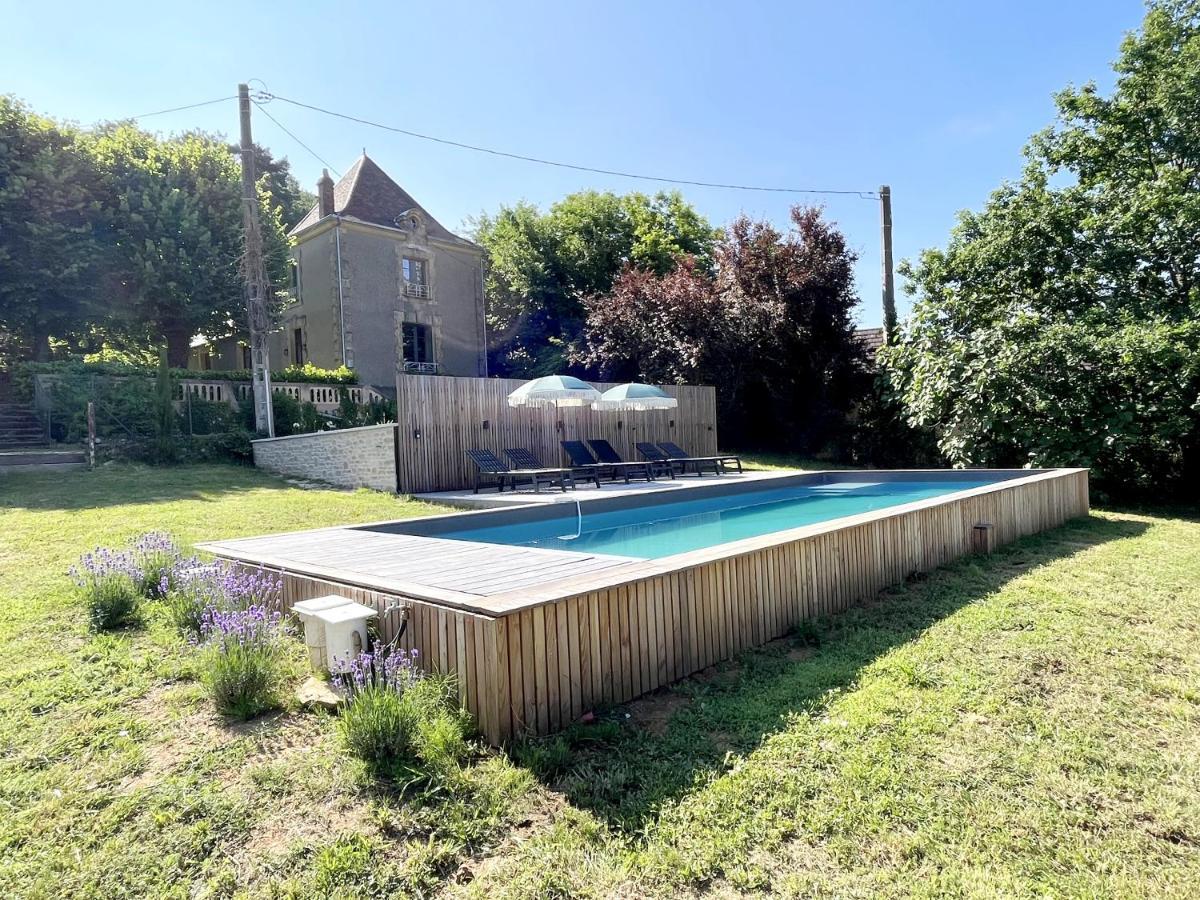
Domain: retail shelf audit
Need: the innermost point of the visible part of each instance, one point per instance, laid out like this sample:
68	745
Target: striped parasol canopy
554	390
635	396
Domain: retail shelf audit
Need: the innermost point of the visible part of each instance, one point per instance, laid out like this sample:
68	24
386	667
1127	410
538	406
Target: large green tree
125	238
177	227
278	183
51	256
1061	324
542	266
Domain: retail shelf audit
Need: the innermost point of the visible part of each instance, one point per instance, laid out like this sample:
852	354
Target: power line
265	96
160	112
285	130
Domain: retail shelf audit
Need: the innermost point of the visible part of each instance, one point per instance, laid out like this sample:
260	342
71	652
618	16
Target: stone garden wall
350	457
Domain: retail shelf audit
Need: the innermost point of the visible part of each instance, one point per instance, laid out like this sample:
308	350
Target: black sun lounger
674	451
683	466
526	459
606	454
581	458
488	463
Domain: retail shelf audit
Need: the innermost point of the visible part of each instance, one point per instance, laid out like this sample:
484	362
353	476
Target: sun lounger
488	463
674	451
606	454
682	465
581	458
526	459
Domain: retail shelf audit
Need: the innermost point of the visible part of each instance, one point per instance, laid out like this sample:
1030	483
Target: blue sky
934	98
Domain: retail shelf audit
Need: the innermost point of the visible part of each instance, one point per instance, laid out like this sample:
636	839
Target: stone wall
351	457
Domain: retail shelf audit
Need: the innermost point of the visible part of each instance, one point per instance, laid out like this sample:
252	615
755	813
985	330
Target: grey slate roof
368	194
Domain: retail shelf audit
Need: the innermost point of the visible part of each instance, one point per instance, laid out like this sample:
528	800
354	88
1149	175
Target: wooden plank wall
449	414
611	645
446	640
539	668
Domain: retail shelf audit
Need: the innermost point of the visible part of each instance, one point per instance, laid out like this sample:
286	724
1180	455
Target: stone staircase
24	446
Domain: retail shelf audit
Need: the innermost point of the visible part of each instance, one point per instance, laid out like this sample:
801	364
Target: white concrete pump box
345	633
314	629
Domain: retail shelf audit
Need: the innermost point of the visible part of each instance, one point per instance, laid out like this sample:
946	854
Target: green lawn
1026	724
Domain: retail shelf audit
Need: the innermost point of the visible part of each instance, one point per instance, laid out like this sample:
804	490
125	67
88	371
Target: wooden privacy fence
441	417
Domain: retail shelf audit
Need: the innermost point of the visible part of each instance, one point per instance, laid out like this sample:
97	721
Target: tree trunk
179	342
41	347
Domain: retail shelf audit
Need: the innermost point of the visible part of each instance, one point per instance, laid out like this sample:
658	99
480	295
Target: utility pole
254	274
889	281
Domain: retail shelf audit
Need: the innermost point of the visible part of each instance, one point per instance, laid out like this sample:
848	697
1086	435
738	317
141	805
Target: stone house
379	285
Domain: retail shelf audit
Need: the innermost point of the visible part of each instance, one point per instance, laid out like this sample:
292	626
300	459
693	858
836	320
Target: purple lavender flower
387	668
108	581
254	627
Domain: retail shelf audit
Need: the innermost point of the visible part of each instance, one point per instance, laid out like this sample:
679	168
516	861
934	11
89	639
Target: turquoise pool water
650	532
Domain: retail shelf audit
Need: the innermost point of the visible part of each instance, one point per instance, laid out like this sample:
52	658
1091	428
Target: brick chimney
325	195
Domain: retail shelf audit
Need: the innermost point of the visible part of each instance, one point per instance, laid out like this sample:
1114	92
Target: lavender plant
158	561
200	586
242	658
395	716
196	588
108	581
377	725
243	587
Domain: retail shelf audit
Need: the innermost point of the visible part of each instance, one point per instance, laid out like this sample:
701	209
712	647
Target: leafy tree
51	255
279	184
1060	323
176	228
543	265
771	328
672	328
120	239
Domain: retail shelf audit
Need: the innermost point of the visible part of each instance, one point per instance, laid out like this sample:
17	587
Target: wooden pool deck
537	637
429	568
490	498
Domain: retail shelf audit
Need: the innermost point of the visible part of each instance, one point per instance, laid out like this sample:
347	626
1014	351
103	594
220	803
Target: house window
294	276
414	271
298	346
247	358
418	347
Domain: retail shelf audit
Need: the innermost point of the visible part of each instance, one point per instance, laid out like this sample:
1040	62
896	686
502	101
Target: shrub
200	587
289	414
194	590
198	416
376	726
108	580
157	561
223	446
242	660
311	374
397	718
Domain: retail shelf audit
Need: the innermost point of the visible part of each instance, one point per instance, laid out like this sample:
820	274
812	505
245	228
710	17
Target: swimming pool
652	532
545	611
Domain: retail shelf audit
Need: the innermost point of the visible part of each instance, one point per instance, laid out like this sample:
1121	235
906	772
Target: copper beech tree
771	328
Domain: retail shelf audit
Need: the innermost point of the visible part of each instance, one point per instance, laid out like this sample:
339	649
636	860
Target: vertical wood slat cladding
449	413
536	669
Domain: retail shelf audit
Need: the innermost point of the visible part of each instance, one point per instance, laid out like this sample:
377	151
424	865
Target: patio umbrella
635	396
554	390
